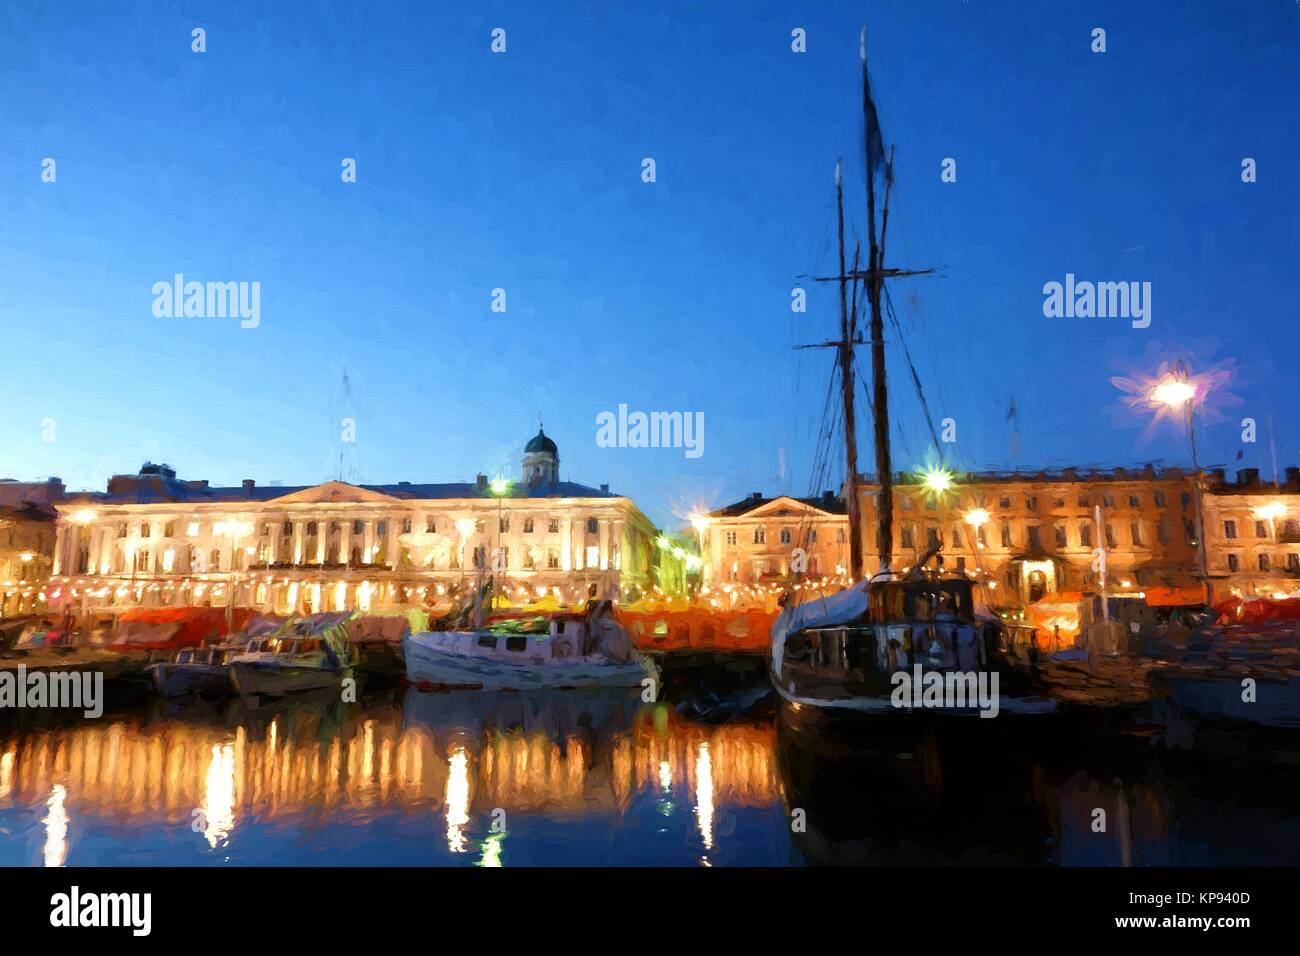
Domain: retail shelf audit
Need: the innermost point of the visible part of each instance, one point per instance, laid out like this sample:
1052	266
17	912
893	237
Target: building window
169	529
1162	532
760	536
956	538
1135	532
1234	563
983	540
931	504
907	536
430	526
479	525
905	503
731	537
1085	535
1160	499
1108	501
406	526
529	561
1110	536
961	563
214	560
1263	562
931	538
785	535
503	525
311	529
287	529
591	526
1004	502
1031	503
812	536
145	529
1058	502
1083	501
1186	500
142	560
528	526
381	529
839	536
552	525
354	556
1261	529
1189	530
1059	531
1292	561
1133	501
1229	529
552	559
480	557
1006	535
121	529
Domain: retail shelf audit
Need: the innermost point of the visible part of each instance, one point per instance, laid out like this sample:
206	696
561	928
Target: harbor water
411	777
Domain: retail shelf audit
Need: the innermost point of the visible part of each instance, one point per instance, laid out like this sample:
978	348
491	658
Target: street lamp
500	489
977	518
1173	393
701	522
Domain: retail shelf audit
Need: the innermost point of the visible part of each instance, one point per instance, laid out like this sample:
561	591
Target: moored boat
561	650
303	655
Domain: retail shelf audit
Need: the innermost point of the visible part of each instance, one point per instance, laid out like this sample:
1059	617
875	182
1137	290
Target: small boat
196	671
303	655
560	650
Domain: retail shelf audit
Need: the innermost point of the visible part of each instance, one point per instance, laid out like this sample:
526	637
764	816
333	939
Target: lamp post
1177	392
500	488
700	523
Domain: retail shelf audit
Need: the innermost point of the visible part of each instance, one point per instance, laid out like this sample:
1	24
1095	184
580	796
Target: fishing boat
303	655
204	671
561	650
891	641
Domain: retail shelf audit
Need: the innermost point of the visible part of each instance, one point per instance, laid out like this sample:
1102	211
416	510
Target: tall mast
874	153
846	387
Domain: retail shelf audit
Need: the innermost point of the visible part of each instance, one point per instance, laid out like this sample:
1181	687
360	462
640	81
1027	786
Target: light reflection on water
528	778
576	779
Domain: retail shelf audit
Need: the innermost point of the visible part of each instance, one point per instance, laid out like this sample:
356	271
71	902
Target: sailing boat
893	641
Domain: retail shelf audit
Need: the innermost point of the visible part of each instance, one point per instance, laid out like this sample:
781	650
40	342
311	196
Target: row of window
358	527
1134	501
786	536
1267	562
1290	528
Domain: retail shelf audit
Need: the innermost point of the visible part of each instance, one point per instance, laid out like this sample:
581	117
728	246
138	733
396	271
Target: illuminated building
154	539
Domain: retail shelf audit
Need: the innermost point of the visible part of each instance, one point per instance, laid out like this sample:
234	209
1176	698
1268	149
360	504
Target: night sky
522	171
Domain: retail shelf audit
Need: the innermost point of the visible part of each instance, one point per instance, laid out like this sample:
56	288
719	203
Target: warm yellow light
83	516
1173	392
465	526
977	517
937	480
700	522
26	556
500	486
233	529
1270	511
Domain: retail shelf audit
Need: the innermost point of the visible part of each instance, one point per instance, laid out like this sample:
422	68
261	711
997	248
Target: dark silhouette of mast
848	326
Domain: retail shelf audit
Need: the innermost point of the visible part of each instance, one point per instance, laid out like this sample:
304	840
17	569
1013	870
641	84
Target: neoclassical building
154	539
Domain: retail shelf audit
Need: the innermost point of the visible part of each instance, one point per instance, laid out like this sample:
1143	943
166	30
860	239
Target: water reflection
472	779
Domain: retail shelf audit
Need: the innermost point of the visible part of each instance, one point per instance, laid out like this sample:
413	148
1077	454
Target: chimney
480	483
1247	477
756	496
604	489
1070	474
1148	470
1293	476
249	484
1120	472
1216	475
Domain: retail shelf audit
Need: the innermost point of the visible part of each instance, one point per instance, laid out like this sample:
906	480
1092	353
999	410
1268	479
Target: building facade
1026	536
152	539
27	535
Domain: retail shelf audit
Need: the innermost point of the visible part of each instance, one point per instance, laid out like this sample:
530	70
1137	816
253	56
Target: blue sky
523	171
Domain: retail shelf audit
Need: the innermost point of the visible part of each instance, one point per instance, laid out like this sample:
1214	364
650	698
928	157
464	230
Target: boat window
308	646
487	640
517	642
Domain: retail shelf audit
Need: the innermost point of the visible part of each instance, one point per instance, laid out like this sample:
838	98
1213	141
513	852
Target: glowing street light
977	517
1173	392
937	481
83	516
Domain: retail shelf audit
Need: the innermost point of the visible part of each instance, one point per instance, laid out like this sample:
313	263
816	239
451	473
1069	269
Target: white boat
305	655
575	650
